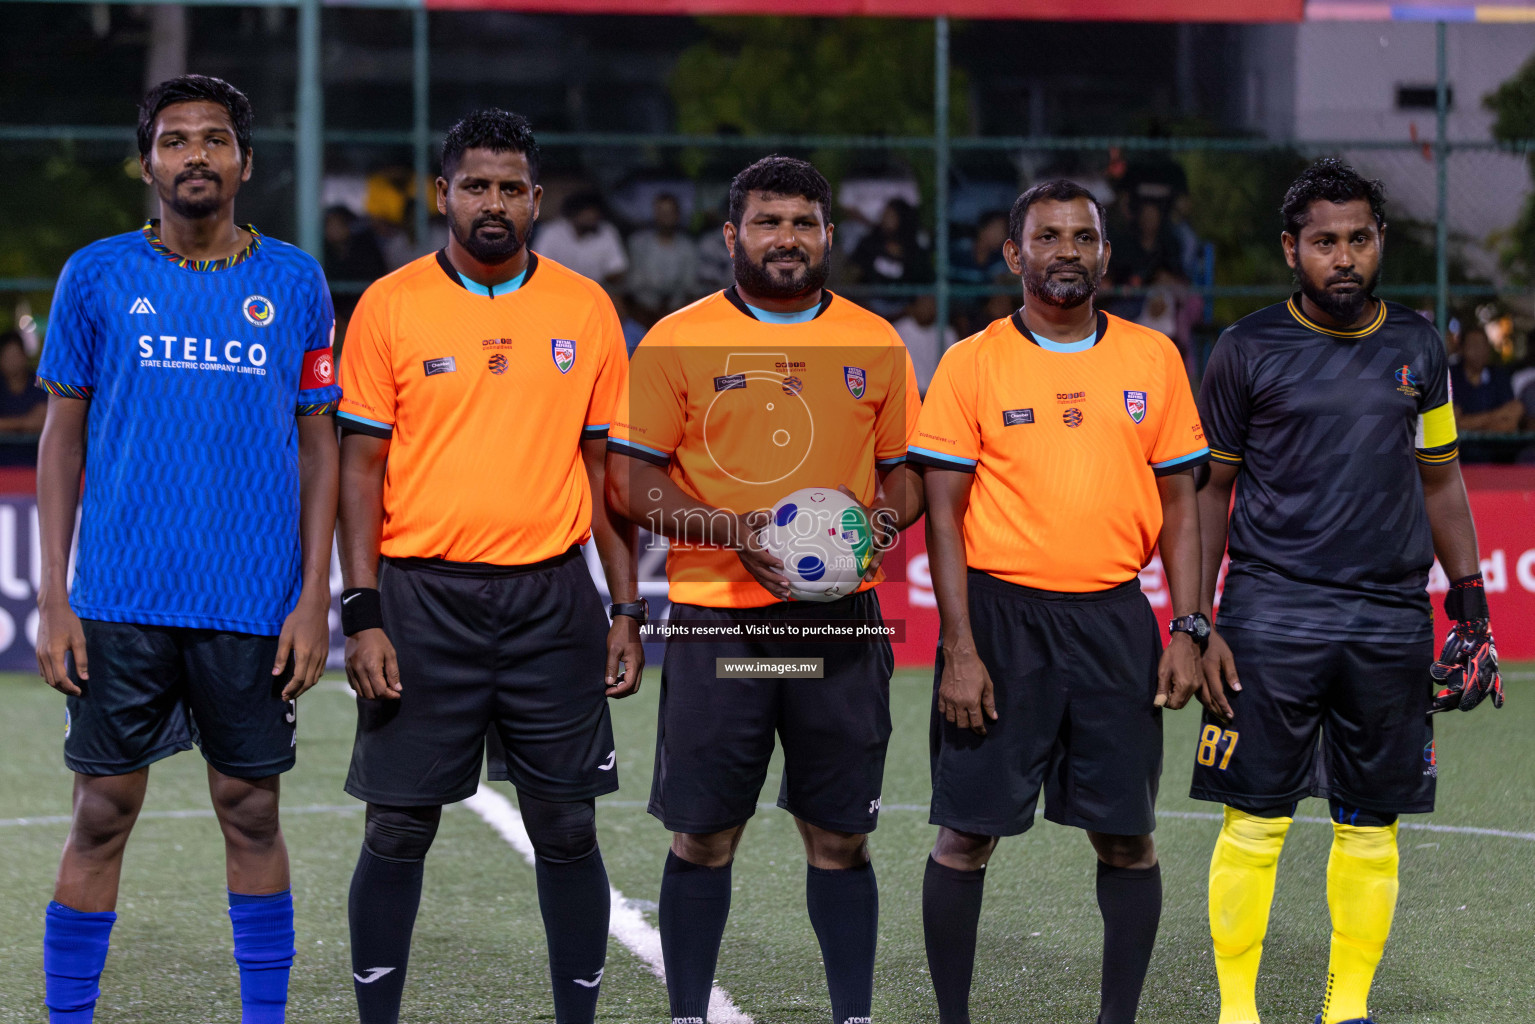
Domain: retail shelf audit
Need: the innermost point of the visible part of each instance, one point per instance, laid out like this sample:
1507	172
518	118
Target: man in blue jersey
191	360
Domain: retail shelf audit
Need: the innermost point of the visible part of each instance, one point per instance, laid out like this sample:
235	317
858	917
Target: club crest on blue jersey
258	309
1407	382
1135	405
564	351
856	381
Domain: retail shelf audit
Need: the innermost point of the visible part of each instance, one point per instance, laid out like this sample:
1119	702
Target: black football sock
695	903
1130	900
951	913
574	899
844	910
382	913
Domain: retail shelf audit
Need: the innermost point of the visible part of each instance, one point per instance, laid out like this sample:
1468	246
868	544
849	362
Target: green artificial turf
1461	951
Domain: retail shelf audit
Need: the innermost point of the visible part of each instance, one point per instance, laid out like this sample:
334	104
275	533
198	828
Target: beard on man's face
493	247
1343	306
765	279
1065	291
205	203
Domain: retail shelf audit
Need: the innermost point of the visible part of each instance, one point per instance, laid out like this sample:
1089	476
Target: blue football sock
74	952
263	930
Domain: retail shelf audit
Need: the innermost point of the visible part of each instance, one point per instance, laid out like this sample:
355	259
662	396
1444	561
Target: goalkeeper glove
1467	669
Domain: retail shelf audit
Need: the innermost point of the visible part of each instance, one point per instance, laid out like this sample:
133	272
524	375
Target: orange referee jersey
742	412
485	396
1066	443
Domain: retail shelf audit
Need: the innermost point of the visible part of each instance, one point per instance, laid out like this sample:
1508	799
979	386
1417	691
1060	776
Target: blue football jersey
196	372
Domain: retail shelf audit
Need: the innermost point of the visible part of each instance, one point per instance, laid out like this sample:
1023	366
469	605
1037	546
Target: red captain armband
319	370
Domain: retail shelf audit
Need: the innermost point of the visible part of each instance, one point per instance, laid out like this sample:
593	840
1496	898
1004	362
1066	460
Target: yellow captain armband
1436	435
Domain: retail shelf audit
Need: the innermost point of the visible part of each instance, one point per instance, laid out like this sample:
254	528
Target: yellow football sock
1242	871
1361	892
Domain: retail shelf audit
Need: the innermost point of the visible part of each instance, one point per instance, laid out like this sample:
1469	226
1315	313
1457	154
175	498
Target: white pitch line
625	923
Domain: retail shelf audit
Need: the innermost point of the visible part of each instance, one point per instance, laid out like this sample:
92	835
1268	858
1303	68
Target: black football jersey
1329	536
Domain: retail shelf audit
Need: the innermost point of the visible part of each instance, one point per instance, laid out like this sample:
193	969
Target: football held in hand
825	541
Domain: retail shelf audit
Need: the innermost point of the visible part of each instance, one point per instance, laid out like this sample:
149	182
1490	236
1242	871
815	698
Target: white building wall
1342	78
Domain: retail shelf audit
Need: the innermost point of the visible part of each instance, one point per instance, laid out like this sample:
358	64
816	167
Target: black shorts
513	653
1075	679
715	735
156	690
1334	719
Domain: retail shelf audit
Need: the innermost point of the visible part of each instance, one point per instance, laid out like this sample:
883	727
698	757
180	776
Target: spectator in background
23	405
1522	381
352	252
663	267
1144	247
715	269
978	261
585	241
1484	396
918	328
892	254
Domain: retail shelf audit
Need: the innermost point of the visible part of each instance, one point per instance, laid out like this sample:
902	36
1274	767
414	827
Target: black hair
191	89
581	201
499	131
1336	182
9	338
1060	190
779	176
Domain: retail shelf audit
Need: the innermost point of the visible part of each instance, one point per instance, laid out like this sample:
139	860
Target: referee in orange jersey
478	386
1059	446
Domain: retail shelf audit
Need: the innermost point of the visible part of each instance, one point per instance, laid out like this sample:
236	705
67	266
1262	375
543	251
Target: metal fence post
420	132
309	148
1441	175
941	171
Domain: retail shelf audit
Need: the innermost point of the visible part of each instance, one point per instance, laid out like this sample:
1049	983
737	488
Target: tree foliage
1513	103
864	76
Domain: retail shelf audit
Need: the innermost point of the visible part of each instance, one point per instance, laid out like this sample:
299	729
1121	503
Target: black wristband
360	610
1467	599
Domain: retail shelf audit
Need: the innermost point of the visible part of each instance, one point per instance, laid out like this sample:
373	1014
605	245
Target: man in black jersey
1331	414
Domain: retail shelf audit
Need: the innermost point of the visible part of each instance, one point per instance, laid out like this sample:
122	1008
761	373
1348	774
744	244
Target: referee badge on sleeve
1135	405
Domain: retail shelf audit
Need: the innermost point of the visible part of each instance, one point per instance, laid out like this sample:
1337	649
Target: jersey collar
1293	305
1102	326
506	287
151	232
735	300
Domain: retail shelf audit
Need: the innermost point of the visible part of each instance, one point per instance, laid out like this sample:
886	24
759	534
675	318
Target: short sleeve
1180	442
650	414
895	423
367	369
1225	402
612	374
319	394
948	434
1435	439
68	365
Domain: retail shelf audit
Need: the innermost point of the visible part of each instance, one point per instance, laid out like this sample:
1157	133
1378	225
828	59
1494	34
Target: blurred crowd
657	249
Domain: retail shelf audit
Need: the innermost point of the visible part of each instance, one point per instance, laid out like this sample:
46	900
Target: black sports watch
636	610
1195	625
